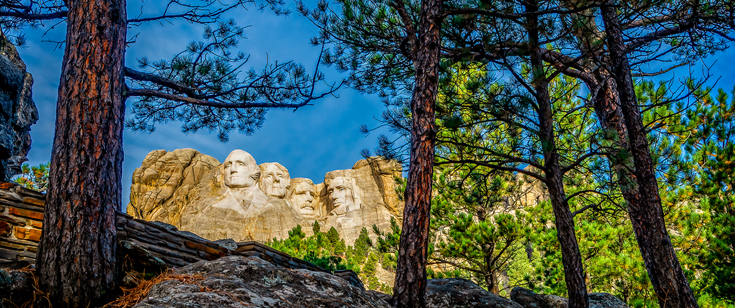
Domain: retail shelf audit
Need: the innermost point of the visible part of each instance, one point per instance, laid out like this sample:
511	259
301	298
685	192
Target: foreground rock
236	281
528	299
252	282
17	110
16	287
457	292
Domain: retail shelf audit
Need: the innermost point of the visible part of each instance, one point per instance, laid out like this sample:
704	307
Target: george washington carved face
240	170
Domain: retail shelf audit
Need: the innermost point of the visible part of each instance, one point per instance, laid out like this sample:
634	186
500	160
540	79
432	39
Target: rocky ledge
237	281
248	281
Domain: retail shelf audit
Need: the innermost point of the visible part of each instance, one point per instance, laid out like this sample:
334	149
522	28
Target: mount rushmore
242	200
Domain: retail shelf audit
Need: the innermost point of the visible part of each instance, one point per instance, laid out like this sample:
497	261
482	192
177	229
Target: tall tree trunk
570	255
77	254
410	283
647	215
492	282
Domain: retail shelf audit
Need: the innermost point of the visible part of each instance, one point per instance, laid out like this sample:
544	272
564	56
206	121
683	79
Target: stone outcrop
16	287
252	282
244	201
17	110
237	281
457	292
528	299
165	181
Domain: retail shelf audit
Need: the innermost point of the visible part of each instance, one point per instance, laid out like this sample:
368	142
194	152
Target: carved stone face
274	180
343	196
240	170
302	199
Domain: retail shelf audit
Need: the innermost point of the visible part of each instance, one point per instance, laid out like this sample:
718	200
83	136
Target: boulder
17	110
462	293
237	281
529	299
16	287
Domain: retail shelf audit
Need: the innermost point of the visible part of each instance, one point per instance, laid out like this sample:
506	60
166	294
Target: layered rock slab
251	282
529	299
237	281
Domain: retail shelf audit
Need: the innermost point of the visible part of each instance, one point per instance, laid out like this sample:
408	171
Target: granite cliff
242	200
17	110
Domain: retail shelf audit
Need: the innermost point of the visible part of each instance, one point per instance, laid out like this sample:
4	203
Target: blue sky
310	142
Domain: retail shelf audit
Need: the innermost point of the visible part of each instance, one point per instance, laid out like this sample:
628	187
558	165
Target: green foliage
35	177
477	237
316	228
328	251
712	143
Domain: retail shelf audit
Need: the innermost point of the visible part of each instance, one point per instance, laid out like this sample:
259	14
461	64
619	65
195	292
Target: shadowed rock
17	110
529	299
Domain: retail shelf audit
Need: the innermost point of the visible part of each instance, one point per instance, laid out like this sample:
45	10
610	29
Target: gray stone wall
21	221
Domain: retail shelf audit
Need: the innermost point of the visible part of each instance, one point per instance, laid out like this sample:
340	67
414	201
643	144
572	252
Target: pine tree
333	235
35	177
316	228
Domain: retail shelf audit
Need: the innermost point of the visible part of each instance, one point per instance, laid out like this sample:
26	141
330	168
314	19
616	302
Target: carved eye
241	163
228	165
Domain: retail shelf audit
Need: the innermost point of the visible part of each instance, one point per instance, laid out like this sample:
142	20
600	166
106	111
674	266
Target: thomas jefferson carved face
302	199
240	170
274	180
344	195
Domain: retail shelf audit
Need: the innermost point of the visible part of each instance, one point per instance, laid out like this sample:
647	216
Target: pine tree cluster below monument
242	200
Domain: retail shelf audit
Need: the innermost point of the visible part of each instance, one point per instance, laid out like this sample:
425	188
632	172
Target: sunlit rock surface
242	200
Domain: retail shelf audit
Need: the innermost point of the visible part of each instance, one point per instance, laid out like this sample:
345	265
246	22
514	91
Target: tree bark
77	254
410	283
570	254
664	270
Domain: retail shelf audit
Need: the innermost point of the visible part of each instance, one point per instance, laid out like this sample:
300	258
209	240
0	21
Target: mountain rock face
17	110
242	200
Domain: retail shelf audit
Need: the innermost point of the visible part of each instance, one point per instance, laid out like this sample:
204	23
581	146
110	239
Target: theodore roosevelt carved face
274	180
303	198
240	170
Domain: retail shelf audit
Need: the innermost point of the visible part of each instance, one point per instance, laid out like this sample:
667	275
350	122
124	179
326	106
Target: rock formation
237	281
529	299
242	200
252	282
17	110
